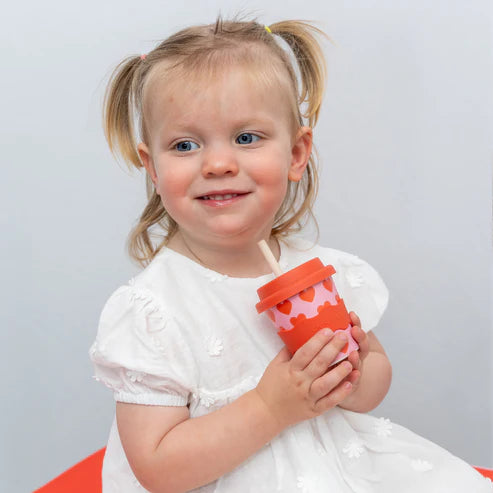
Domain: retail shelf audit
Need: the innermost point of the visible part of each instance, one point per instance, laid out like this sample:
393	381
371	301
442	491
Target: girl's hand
356	358
372	369
301	387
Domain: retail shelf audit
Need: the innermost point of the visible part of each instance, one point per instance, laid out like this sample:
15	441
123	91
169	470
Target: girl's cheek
273	170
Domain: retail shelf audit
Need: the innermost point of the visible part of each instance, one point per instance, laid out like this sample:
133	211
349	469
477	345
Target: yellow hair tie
267	28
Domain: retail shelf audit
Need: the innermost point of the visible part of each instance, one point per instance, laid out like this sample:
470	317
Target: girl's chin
227	235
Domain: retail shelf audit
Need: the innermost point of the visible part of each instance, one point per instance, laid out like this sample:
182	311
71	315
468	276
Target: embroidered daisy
354	449
421	465
159	345
214	346
355	279
207	400
351	260
307	484
300	483
135	376
383	427
155	322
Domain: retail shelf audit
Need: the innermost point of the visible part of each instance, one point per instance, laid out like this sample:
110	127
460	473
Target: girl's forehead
199	75
201	84
187	88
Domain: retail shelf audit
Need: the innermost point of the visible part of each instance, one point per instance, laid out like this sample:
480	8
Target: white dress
180	334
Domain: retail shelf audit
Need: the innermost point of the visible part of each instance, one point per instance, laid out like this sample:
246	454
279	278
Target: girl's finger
319	365
354	359
310	349
324	384
354	377
355	319
282	356
335	397
359	335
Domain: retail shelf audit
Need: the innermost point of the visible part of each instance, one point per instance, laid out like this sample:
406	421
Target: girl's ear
145	157
300	153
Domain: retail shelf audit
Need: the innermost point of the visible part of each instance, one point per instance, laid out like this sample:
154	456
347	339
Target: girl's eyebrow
192	125
254	121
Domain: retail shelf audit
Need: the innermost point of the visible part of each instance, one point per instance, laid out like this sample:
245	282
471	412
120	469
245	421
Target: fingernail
341	336
326	332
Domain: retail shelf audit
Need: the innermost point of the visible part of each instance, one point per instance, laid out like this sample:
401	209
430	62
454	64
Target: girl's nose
219	162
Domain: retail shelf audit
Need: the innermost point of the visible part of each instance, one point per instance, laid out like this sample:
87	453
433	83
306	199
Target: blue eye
247	138
186	145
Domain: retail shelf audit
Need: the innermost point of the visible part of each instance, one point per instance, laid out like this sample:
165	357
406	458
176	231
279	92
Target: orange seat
85	477
487	473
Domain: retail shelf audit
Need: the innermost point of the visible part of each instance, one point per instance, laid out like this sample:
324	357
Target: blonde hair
209	47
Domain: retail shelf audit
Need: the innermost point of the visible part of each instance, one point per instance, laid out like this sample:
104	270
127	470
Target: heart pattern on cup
299	310
285	307
300	318
308	294
308	302
328	284
323	307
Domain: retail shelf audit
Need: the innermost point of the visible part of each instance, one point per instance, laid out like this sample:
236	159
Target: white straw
269	257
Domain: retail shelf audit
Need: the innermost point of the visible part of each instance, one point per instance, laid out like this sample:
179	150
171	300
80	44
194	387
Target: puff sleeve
362	289
138	352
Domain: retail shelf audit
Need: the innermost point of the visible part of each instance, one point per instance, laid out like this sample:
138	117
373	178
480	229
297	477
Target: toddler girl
207	397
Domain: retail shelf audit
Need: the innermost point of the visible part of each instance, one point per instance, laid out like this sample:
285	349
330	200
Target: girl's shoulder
142	299
171	286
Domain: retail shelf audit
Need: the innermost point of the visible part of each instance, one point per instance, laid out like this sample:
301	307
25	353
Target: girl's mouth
218	200
219	197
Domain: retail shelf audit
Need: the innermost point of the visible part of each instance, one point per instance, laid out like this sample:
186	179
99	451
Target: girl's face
221	155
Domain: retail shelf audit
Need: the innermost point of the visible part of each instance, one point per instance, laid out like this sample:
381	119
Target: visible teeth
220	197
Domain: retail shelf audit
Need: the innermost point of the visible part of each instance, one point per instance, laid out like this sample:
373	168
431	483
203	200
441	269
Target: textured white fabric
180	334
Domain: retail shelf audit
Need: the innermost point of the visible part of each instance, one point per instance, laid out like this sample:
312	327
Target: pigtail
301	38
118	115
139	244
122	95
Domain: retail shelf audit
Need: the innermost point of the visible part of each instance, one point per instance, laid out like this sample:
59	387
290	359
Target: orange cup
303	301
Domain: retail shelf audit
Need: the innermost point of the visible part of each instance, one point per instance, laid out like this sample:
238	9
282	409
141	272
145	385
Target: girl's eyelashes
186	145
247	138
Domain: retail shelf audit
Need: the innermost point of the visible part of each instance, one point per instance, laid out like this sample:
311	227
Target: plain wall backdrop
405	145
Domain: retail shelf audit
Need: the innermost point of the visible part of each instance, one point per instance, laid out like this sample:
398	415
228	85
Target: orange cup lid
292	282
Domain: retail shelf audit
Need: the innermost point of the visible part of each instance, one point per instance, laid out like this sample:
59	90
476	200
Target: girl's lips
211	202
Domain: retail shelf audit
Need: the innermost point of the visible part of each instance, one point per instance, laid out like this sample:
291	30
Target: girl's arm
170	452
374	368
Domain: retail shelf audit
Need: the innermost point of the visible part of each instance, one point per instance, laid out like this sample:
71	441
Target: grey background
404	138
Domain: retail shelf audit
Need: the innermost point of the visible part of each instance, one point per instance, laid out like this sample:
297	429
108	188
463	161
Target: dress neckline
217	276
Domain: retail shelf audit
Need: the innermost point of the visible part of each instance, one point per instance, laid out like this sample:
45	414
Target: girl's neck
243	260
